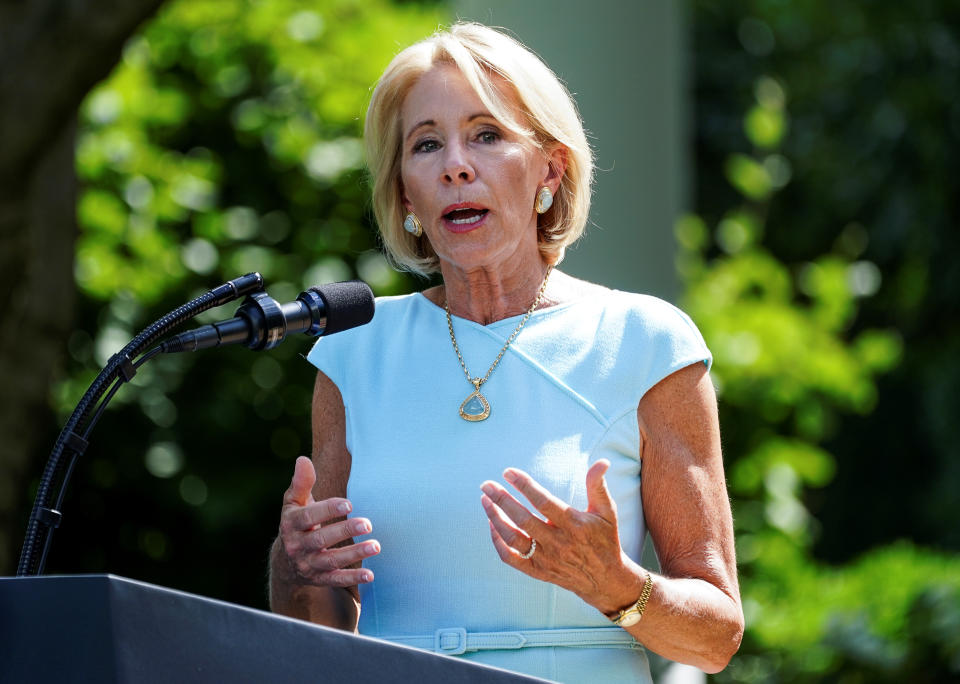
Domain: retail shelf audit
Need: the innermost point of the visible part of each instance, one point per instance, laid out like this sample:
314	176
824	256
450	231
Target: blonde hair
548	118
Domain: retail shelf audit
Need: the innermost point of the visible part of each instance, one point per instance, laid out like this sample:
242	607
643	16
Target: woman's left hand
577	550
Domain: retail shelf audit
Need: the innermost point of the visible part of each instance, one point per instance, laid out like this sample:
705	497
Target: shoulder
639	340
639	308
394	304
655	315
389	313
386	312
627	319
564	289
641	313
660	329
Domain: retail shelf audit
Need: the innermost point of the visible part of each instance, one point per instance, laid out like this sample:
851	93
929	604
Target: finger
309	516
505	527
304	477
599	501
552	508
507	553
516	511
346	577
328	536
342	558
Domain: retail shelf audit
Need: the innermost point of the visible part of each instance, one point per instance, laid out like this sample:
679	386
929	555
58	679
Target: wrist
624	587
631	614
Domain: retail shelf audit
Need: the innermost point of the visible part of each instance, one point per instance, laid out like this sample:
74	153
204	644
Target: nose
457	168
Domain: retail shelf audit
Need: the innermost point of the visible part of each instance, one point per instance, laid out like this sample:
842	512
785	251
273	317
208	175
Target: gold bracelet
631	615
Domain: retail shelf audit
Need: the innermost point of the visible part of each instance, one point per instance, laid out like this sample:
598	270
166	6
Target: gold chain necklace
476	407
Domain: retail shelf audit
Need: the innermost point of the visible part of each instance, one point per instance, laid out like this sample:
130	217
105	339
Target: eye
488	137
427	145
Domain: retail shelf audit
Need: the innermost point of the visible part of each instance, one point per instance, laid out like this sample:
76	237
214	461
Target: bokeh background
152	150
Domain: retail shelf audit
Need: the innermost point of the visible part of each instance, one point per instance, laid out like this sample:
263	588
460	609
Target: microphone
262	323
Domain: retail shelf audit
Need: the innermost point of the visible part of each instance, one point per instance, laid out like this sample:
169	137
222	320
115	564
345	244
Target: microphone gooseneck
72	442
262	323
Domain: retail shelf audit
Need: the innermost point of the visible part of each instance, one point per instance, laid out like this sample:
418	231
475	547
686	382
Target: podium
104	628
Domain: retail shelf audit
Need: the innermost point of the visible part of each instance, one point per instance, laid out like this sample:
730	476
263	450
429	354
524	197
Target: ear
407	204
556	167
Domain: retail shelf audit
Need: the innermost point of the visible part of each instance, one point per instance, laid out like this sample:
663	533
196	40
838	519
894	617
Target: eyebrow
431	122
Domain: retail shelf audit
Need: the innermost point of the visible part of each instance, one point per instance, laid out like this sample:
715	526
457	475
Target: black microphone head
346	305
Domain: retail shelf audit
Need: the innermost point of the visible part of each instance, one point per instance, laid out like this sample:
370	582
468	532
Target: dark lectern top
103	628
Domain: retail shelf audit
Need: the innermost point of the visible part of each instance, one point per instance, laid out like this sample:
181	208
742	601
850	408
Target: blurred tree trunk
51	54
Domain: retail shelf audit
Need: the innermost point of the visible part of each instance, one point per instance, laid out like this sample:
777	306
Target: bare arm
315	566
693	614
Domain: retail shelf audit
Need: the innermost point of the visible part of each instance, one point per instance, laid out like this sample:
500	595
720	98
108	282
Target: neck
484	295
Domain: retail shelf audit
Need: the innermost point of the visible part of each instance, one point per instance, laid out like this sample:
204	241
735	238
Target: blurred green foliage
807	268
227	140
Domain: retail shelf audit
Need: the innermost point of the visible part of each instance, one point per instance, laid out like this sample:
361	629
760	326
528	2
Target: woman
482	172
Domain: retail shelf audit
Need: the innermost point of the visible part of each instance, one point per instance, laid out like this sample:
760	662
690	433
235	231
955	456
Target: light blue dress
564	395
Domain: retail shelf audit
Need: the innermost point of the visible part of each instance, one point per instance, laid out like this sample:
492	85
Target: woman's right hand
309	540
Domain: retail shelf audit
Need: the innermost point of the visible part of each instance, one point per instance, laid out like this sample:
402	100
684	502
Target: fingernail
361	527
343	508
366	576
487	488
510	476
371	547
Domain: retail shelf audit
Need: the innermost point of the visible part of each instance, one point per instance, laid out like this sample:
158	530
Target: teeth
472	216
469	219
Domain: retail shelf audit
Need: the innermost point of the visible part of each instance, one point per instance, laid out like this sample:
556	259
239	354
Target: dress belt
457	640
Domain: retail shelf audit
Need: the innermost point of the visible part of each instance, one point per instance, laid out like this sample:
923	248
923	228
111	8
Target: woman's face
470	180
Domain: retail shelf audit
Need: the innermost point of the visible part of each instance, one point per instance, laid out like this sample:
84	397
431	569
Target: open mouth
464	217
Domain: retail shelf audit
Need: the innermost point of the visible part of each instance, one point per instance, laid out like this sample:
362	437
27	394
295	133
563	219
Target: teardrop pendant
475	407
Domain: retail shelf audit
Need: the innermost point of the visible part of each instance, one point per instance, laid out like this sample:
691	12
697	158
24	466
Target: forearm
687	620
331	606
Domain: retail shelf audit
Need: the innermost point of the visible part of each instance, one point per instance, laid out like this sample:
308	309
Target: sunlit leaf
748	176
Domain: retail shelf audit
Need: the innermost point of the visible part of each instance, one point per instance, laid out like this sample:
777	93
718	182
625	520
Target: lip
463	227
462	205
